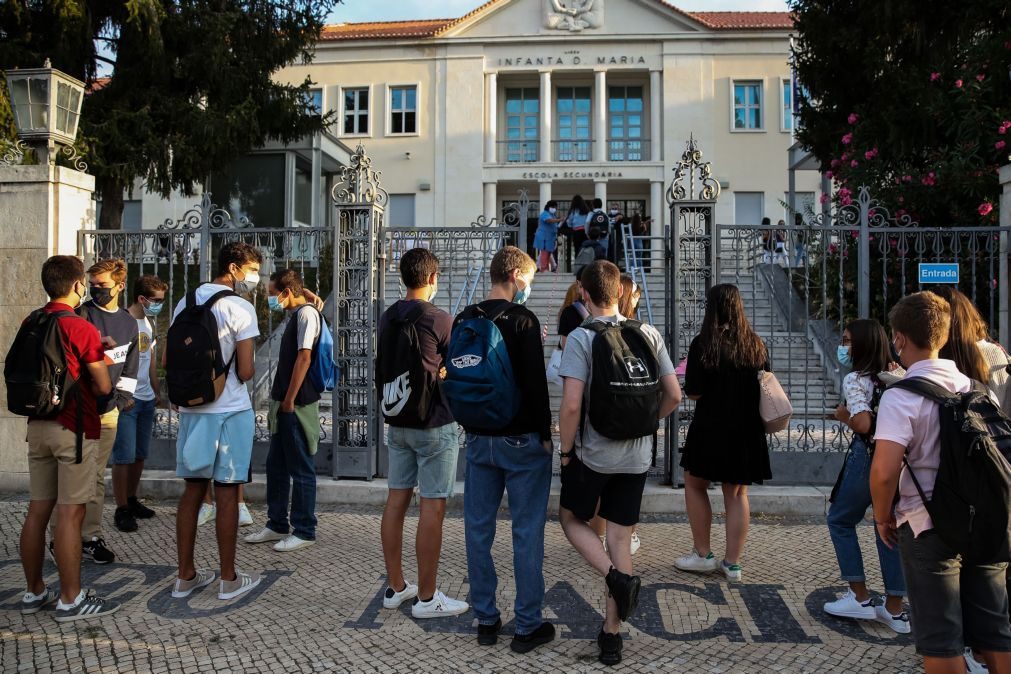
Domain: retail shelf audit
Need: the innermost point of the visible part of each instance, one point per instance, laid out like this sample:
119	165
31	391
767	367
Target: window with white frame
404	109
748	106
314	102
356	111
786	98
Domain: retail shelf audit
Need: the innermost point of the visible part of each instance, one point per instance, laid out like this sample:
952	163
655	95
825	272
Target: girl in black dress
726	440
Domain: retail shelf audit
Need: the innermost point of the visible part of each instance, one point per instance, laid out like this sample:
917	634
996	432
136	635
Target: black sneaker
487	635
625	590
125	520
96	551
89	607
139	510
610	648
524	643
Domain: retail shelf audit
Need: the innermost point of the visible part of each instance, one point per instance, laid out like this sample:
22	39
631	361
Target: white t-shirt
307	323
145	348
236	322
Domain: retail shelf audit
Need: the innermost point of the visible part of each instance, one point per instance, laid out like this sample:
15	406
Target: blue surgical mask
843	354
274	302
153	309
522	295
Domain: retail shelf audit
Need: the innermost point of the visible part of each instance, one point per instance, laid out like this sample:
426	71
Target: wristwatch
567	455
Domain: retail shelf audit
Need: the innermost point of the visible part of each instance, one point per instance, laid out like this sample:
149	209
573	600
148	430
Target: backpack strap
927	389
191	296
78	407
584	313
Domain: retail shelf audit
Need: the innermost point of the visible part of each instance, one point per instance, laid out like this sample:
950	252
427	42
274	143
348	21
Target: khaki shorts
52	472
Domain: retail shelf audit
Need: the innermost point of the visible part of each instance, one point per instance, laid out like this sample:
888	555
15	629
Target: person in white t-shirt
952	604
133	437
215	440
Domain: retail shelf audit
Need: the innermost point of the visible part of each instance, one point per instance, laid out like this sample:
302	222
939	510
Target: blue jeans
133	435
288	460
521	465
847	510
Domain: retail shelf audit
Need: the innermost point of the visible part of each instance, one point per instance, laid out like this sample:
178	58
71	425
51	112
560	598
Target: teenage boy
216	439
952	604
423	444
599	219
58	481
293	419
516	458
118	330
612	472
133	436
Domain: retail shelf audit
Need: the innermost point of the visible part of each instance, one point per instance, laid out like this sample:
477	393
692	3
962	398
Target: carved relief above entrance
573	15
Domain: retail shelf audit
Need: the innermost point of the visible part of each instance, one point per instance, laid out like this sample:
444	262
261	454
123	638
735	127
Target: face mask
153	309
552	211
522	295
274	302
80	298
103	296
843	354
435	289
614	211
897	354
247	285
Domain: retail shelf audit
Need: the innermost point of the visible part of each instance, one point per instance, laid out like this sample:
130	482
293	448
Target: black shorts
620	494
952	605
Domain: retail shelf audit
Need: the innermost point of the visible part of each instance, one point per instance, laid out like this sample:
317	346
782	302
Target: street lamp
47	107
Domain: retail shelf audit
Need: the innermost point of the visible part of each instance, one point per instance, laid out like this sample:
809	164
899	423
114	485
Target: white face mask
552	211
247	285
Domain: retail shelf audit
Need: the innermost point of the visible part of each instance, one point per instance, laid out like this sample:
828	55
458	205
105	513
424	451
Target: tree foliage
911	99
191	85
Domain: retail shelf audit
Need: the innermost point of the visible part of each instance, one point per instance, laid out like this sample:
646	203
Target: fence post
864	256
1005	224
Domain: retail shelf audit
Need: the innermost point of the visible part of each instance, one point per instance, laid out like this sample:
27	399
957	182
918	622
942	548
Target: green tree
191	85
912	100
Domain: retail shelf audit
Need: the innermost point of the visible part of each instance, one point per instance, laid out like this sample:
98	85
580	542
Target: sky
391	10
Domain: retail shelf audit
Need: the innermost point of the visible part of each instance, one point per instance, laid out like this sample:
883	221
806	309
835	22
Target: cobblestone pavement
319	610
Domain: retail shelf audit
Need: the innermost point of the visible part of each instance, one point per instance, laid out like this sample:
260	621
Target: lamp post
47	107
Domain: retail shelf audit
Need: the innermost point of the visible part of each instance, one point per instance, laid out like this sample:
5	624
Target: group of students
84	372
596	234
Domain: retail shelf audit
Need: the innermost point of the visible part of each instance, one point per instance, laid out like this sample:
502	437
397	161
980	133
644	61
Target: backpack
480	386
323	372
406	388
625	387
971	503
587	255
38	380
195	369
598	219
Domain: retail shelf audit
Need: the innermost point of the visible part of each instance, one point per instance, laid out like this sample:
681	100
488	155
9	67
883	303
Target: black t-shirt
522	334
569	320
434	328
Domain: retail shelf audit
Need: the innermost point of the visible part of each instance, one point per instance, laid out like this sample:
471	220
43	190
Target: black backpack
598	219
406	388
625	387
38	381
971	503
195	369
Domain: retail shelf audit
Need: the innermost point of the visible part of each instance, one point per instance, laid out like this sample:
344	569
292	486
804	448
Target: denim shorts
133	436
215	447
424	458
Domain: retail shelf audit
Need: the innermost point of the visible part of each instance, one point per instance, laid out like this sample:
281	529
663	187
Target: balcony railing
573	150
519	151
628	149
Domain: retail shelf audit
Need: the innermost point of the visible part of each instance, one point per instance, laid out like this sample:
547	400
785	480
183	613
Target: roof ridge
372	23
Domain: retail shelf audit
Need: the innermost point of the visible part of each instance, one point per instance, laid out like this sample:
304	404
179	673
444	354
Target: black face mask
102	296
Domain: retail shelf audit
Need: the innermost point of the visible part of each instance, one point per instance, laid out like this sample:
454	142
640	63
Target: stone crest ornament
573	15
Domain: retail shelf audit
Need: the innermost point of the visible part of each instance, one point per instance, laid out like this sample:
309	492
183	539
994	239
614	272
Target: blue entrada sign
931	272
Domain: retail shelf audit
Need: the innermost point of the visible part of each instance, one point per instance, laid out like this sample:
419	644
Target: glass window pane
513	106
582	105
582	132
398	123
349	100
512	134
513	120
582	92
753	94
565	120
514	94
635	132
582	121
738	95
635	92
363	99
564	105
635	120
617	132
616	104
396	98
738	119
754	119
635	104
62	95
410	123
349	123
412	98
531	106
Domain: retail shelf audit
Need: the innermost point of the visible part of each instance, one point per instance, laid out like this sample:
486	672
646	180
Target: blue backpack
479	385
323	372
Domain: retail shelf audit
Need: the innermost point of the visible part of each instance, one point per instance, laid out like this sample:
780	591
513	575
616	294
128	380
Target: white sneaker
243	583
292	543
847	606
731	571
207	513
696	563
393	599
972	665
245	519
898	623
636	543
440	606
265	535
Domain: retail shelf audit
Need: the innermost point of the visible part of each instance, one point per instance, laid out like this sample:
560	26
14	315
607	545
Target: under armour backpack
406	388
323	371
971	502
196	372
625	387
480	386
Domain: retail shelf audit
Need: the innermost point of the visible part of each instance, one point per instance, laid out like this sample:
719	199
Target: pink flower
853	118
836	162
832	248
824	199
847	139
1003	128
985	208
935	76
871	154
845	156
999	145
854	164
907	179
980	77
829	174
958	84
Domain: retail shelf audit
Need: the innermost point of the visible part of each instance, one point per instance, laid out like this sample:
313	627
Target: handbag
773	405
554	365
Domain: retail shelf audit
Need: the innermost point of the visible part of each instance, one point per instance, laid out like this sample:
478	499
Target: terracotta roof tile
383	29
744	20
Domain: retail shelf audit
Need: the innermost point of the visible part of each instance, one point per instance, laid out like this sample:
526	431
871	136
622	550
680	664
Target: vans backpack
38	381
195	368
323	371
625	387
971	503
479	386
406	388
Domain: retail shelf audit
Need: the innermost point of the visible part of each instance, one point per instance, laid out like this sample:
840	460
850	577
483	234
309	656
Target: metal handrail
578	149
528	150
636	270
